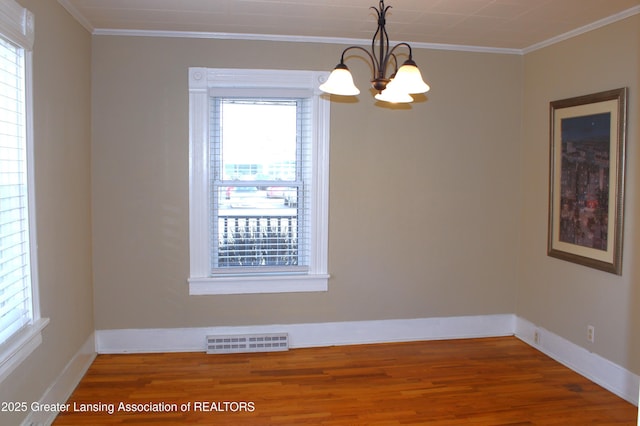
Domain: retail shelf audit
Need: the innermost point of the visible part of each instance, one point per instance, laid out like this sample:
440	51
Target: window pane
15	277
258	139
257	240
256	144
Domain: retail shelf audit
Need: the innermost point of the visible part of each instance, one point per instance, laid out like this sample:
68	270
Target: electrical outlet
536	336
591	331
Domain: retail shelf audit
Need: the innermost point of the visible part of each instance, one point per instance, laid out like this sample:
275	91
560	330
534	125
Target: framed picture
586	183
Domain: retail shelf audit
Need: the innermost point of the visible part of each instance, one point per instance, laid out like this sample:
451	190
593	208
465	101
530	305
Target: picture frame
587	179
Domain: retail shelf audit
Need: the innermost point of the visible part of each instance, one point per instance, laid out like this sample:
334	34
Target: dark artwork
584	185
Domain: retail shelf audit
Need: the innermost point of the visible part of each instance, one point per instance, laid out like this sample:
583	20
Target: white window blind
261	178
15	266
20	322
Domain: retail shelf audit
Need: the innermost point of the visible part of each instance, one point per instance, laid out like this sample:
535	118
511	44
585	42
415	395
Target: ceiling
497	24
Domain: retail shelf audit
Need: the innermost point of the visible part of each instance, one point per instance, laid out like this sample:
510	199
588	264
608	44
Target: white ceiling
500	24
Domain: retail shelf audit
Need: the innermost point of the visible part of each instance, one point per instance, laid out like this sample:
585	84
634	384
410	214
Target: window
20	322
259	155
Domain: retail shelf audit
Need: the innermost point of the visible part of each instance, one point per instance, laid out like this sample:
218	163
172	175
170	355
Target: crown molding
293	39
585	29
338	40
77	15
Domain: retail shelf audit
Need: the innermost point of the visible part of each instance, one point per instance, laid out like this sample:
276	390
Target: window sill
259	284
19	347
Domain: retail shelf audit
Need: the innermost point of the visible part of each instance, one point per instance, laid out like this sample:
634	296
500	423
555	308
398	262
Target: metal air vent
226	344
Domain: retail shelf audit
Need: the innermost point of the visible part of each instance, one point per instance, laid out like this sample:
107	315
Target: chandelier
393	84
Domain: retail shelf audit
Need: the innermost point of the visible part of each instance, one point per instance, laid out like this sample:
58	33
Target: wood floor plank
493	381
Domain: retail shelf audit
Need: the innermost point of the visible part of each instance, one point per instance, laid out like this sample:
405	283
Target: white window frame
205	83
17	26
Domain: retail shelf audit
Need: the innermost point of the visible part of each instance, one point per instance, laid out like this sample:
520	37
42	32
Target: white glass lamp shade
340	82
394	96
408	79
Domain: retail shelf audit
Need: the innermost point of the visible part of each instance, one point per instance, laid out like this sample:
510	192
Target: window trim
202	83
17	25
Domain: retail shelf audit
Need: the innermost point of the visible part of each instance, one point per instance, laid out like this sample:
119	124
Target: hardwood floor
493	381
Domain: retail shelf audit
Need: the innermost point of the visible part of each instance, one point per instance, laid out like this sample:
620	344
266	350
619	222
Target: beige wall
439	210
62	107
423	202
557	295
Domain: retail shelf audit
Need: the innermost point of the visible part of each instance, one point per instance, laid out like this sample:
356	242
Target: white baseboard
63	386
599	370
309	335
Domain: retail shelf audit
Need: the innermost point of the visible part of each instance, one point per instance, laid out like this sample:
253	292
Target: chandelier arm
395	63
397	46
374	62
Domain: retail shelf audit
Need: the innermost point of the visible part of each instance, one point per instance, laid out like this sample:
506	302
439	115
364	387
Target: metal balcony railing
257	240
